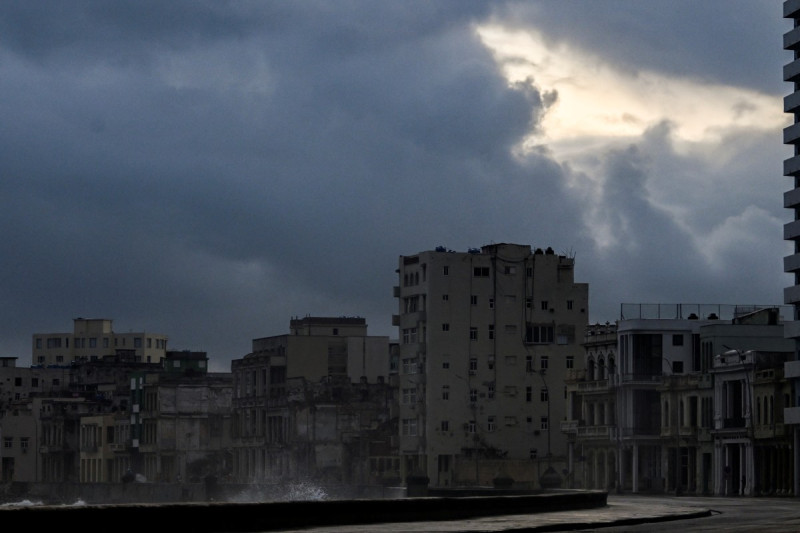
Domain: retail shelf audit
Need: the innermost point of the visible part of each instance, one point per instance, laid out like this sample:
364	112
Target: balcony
791	369
791	8
791	133
704	435
734	422
767	431
644	431
641	379
791	39
594	432
569	426
791	102
593	386
791	166
791	71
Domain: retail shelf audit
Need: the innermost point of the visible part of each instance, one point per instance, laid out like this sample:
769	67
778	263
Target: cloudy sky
209	170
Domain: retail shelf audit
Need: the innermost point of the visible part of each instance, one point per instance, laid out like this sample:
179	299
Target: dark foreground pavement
555	511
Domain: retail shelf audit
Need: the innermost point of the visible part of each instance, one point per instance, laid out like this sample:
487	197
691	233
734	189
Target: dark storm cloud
209	169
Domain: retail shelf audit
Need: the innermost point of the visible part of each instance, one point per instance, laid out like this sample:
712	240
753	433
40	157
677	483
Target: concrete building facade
92	339
486	339
791	230
315	404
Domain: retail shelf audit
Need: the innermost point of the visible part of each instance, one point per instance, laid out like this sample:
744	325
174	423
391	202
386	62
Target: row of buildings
496	376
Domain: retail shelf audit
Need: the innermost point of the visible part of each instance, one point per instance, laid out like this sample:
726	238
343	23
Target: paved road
776	515
623	513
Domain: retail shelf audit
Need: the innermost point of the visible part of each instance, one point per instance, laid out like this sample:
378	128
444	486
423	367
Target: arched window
758	410
612	369
601	368
590	369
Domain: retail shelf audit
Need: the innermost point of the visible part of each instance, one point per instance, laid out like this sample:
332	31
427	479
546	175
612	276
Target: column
796	455
635	472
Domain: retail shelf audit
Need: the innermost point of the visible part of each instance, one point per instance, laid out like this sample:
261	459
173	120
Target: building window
473	395
490	391
445	327
105	342
473	334
677	339
410	366
490	362
473	300
446	365
409	335
544	305
18	382
677	367
445	297
137	342
8	442
544	362
410	427
528	394
480	272
23	443
59	359
445	425
491	331
490	425
544	396
335	331
491	303
569	304
539	334
528	302
445	392
38	343
511	270
471	426
446	270
410	396
473	365
570	361
544	423
528	363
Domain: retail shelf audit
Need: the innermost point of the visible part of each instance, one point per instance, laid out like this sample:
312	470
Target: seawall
241	517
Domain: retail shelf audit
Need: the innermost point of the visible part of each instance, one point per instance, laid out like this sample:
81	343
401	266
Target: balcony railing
734	422
653	431
596	432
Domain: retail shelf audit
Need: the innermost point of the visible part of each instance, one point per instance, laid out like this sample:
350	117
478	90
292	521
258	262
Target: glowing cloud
597	101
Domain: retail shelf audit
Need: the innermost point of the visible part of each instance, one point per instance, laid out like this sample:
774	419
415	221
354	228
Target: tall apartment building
791	231
91	340
486	338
